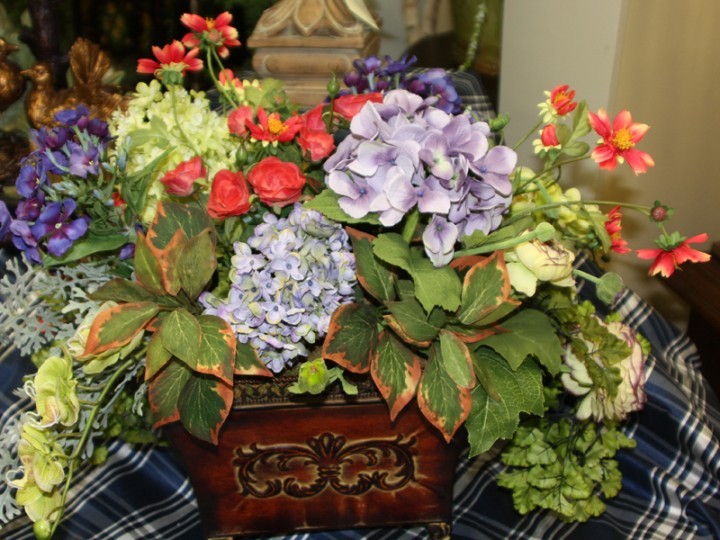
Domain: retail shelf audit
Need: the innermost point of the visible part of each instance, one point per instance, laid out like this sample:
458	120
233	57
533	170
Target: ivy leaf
530	332
147	267
409	317
456	359
216	355
486	292
519	391
121	290
352	337
180	332
441	400
247	362
396	372
117	326
196	263
371	272
157	356
164	392
433	286
204	404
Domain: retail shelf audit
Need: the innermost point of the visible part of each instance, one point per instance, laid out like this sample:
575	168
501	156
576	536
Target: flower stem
75	457
410	225
475	38
213	55
527	135
548	169
173	102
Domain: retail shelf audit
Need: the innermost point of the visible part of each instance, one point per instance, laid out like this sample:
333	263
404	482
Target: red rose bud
238	119
548	136
349	105
277	182
181	180
229	195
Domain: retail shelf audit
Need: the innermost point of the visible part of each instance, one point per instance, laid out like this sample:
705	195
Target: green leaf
197	263
86	246
529	332
171	217
441	400
147	267
456	359
157	356
519	391
216	355
164	392
433	286
204	404
247	362
121	290
413	322
396	372
352	337
326	202
576	149
486	292
117	326
180	332
506	232
134	187
371	272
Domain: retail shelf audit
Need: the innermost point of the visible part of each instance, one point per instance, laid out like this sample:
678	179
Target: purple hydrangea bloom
54	224
406	154
286	281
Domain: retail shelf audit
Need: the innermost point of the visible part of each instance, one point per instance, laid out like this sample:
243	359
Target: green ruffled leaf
519	391
528	333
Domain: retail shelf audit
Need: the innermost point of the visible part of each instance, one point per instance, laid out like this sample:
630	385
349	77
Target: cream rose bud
546	261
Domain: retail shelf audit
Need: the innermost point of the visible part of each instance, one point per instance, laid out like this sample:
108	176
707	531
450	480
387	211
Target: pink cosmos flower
667	259
216	33
614	230
619	142
172	62
562	100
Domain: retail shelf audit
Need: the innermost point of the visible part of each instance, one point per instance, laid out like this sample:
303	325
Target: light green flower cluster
159	130
41	454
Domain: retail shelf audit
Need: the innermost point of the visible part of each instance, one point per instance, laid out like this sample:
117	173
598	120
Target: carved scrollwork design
326	461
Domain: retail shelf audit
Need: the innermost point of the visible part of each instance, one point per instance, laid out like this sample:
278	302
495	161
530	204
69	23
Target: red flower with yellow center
561	99
618	142
672	251
208	32
172	62
614	230
272	128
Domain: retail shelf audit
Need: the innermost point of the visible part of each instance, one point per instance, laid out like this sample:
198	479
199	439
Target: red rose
237	120
349	105
316	144
277	182
229	195
180	181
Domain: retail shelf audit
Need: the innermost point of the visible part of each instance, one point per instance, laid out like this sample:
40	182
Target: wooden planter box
284	467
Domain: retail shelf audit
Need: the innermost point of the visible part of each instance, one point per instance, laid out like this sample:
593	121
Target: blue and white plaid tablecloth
671	481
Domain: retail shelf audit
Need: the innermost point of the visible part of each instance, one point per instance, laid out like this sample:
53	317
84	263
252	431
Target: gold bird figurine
12	83
88	65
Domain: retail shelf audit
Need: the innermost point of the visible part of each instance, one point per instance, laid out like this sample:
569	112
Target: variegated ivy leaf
352	337
117	326
164	392
396	372
445	404
181	332
204	404
486	292
247	362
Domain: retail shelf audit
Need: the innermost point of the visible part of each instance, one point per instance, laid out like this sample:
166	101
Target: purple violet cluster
404	154
47	213
288	279
375	75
